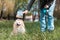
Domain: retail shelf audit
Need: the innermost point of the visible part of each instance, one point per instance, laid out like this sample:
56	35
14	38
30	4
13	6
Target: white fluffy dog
18	27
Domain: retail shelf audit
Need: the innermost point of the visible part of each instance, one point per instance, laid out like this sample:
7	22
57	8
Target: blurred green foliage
10	7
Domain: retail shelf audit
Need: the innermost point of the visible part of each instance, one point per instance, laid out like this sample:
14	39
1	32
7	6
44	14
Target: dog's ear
23	24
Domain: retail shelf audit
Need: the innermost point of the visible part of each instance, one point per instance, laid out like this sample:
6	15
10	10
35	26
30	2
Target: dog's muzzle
18	24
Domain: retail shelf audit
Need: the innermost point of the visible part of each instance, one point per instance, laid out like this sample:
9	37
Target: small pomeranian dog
18	27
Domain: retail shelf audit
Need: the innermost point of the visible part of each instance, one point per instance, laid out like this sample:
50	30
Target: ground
32	31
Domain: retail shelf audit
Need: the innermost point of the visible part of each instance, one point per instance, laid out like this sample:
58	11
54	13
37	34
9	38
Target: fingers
46	6
25	12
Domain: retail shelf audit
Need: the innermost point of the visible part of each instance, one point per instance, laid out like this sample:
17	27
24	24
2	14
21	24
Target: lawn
32	31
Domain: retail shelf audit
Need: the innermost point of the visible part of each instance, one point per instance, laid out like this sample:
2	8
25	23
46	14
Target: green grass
32	31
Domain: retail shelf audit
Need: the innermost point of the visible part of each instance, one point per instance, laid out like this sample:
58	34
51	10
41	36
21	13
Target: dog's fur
18	27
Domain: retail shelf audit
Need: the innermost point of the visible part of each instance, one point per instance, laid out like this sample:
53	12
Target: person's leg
42	21
50	17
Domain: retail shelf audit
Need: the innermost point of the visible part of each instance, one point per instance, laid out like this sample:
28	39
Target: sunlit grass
32	31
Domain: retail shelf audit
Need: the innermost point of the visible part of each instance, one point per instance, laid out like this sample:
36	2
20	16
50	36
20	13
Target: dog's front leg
14	32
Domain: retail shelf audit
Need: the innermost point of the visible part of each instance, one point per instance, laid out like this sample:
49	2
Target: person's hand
25	12
46	6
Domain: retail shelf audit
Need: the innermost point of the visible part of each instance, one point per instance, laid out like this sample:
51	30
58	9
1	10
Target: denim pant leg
50	17
42	21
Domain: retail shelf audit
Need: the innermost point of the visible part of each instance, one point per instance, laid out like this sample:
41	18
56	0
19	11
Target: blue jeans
49	24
